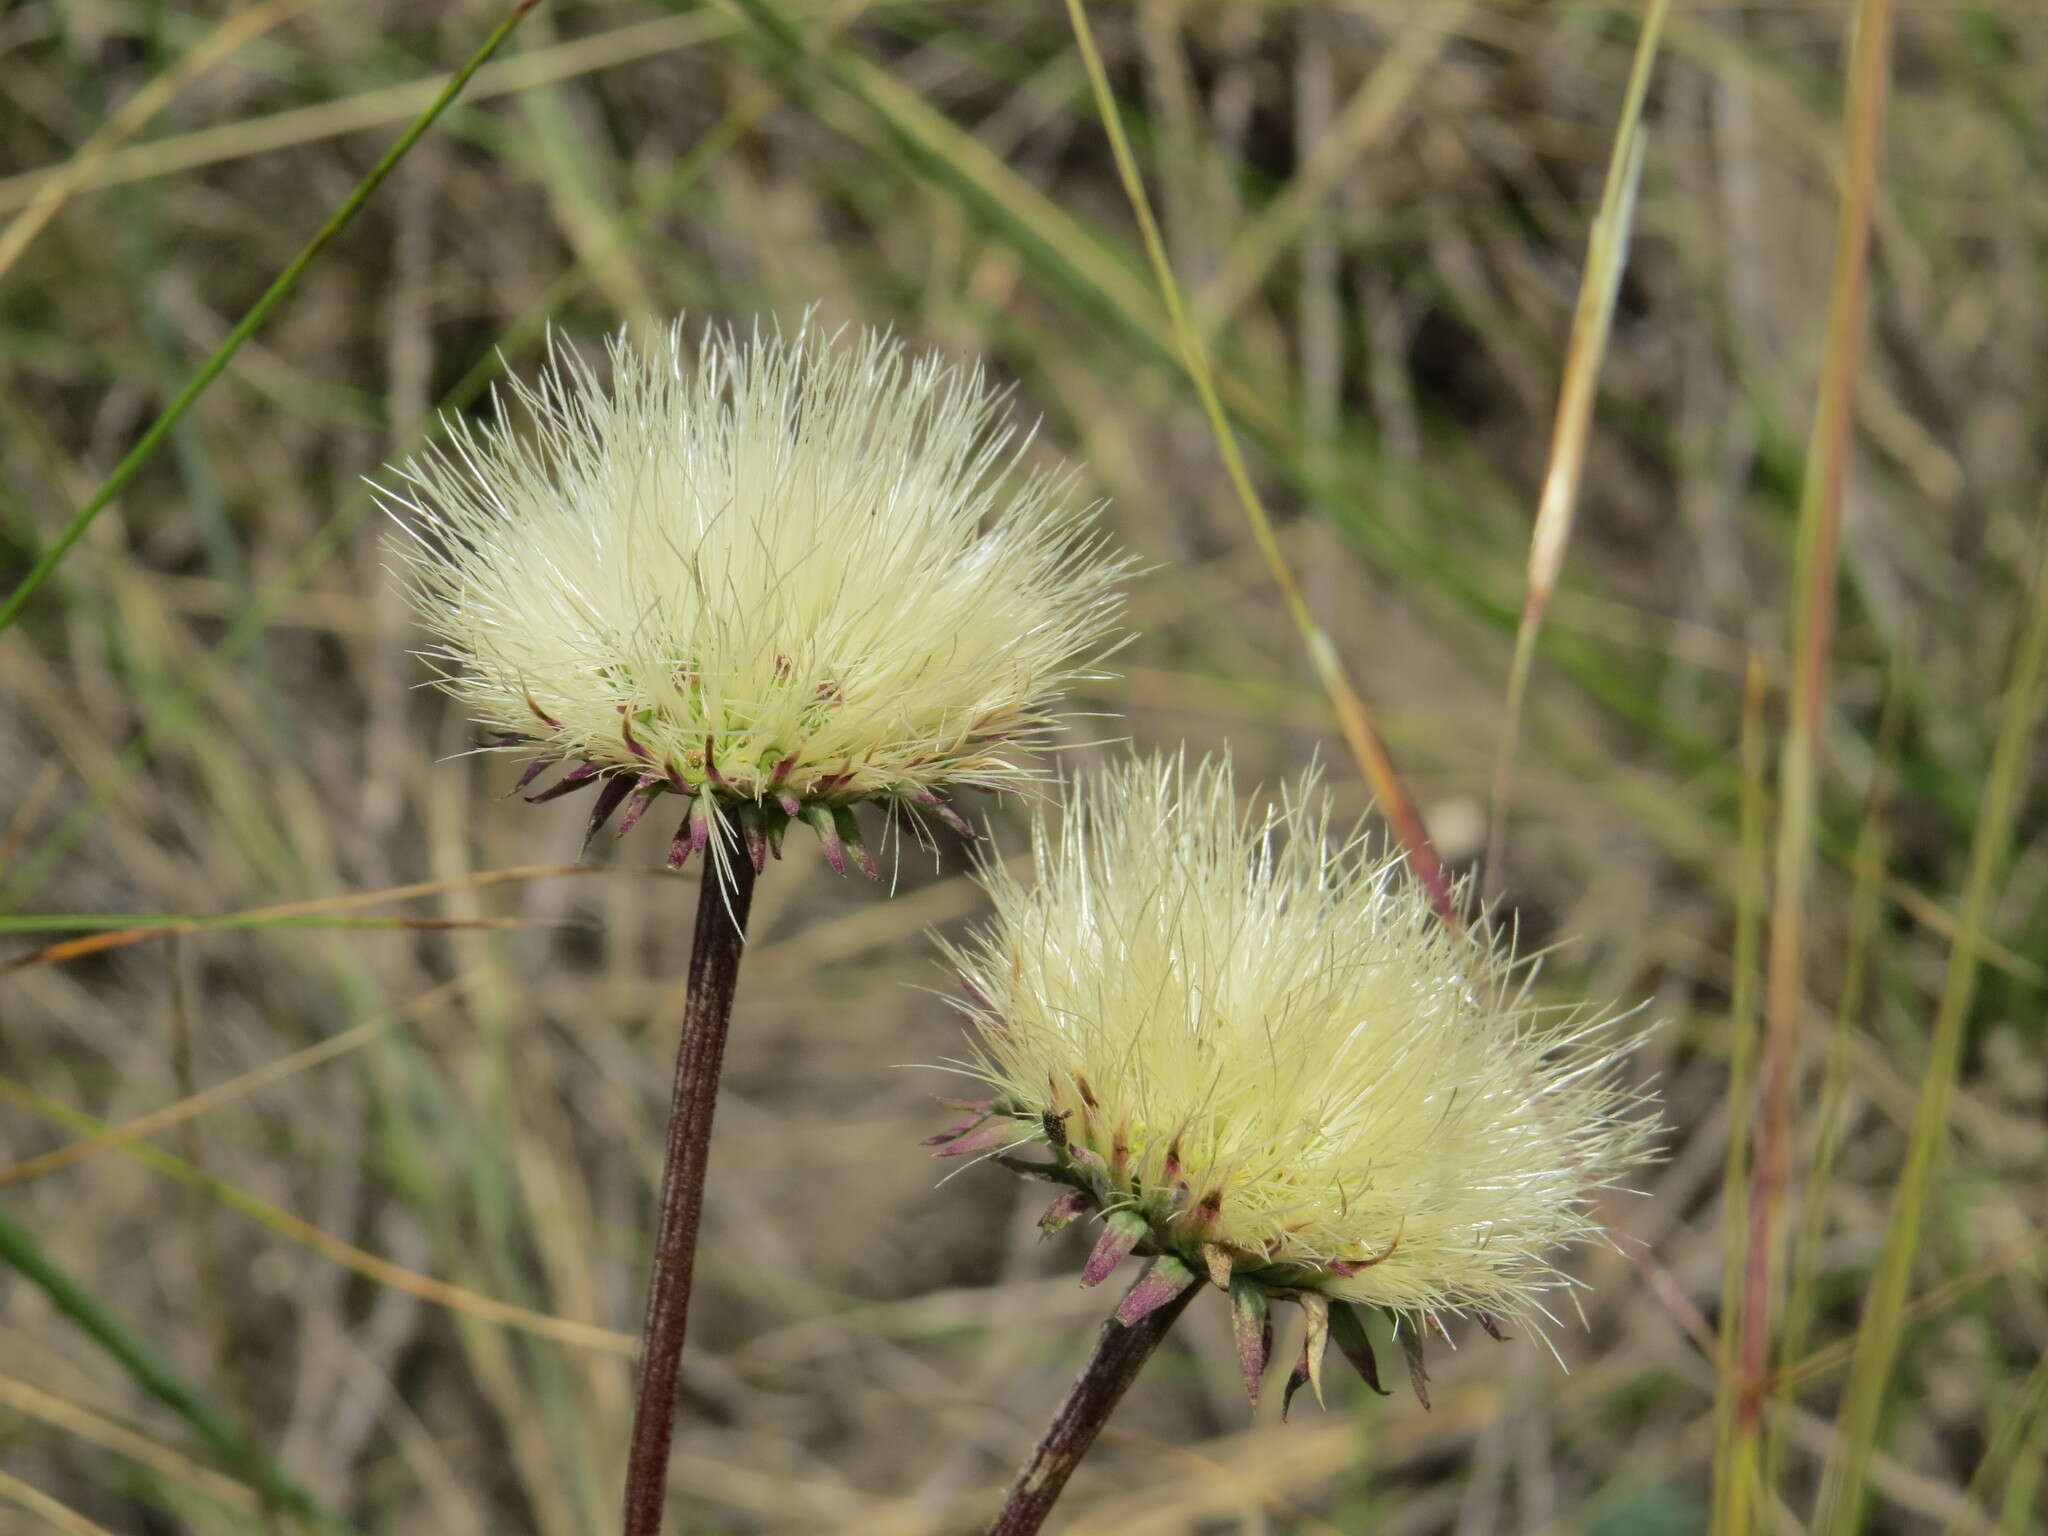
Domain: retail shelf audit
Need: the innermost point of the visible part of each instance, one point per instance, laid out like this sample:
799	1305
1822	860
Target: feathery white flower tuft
781	579
1262	1055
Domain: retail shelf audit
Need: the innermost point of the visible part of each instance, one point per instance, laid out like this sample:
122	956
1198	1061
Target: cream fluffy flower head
776	580
1260	1055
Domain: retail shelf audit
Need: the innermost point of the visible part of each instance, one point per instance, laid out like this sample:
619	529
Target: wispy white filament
818	564
1255	1013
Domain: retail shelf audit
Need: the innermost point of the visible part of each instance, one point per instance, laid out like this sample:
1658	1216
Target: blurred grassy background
1379	211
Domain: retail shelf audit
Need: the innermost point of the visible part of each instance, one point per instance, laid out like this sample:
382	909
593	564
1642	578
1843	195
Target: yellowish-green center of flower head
1260	1055
778	578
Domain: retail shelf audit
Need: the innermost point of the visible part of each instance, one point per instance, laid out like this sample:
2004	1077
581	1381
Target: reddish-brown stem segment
721	938
1119	1353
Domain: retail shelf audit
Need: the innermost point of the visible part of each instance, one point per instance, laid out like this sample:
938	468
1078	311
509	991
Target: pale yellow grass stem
59	1516
352	114
1354	720
52	188
1820	520
95	1428
1600	285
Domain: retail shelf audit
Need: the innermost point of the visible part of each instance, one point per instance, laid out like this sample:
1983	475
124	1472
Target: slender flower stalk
1121	1350
783	581
1257	1056
720	940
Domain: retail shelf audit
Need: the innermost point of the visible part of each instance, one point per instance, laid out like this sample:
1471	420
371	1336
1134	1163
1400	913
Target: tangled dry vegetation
401	1257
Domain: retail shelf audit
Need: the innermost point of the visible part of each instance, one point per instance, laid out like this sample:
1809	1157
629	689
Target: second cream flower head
1260	1056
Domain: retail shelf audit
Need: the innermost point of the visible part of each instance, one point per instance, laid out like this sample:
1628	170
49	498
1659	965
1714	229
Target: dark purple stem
1120	1351
721	938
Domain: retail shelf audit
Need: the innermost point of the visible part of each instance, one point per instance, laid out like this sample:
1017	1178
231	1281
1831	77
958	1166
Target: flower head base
1261	1057
784	579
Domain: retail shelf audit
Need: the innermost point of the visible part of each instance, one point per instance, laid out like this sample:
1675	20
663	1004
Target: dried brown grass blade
54	187
296	1229
241	1087
290	914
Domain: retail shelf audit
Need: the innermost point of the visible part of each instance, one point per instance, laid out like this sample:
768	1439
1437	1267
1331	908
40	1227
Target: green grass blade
2023	1484
2020	1428
146	446
1877	1345
155	1375
1733	1474
1866	909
